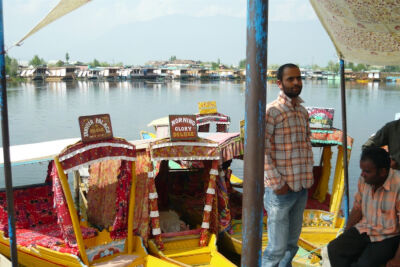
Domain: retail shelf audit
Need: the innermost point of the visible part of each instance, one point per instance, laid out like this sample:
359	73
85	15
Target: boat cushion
36	220
49	236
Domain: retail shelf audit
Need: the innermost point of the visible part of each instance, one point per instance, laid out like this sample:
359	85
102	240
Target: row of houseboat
118	73
73	72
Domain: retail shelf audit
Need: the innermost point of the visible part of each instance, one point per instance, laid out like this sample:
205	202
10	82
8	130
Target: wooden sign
209	107
183	127
241	127
95	127
320	117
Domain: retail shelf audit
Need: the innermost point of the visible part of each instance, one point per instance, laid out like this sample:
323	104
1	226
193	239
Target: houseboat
37	73
109	73
65	73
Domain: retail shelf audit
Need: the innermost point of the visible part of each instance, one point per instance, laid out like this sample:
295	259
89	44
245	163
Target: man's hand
283	190
393	263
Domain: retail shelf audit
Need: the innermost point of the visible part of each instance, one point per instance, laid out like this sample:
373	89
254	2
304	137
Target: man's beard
291	94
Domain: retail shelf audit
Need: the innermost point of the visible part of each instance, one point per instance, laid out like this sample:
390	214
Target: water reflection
52	109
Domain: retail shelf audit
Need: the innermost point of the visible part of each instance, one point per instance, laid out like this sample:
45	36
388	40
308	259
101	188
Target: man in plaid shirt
288	168
372	234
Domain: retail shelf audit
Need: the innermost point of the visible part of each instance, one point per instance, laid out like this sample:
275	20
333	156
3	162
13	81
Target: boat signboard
320	117
209	107
95	127
182	127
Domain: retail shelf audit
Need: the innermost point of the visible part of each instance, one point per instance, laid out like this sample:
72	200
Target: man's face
291	83
371	174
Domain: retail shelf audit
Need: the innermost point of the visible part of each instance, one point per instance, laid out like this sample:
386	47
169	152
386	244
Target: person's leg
295	224
277	207
347	247
378	253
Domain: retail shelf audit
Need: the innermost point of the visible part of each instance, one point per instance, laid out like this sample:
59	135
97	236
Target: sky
136	31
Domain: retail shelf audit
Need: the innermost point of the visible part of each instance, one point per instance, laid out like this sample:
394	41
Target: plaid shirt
380	210
288	151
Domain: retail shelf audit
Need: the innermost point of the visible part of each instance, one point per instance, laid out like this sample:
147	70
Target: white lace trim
213	172
154	214
156	231
89	147
210	191
187	158
207	208
205	225
153	195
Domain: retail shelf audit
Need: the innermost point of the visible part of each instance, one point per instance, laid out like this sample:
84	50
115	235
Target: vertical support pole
344	128
77	183
131	209
256	94
6	146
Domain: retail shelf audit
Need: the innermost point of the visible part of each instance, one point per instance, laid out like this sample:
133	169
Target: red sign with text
95	128
183	127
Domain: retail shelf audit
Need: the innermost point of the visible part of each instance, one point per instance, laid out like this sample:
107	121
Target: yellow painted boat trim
185	251
235	180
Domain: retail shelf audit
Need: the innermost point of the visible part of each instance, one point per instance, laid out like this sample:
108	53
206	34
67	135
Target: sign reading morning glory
95	127
182	127
320	117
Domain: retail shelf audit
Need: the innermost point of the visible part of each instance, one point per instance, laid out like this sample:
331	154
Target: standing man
388	135
288	168
372	234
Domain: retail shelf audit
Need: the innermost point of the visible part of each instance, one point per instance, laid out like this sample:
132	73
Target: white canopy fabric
63	7
362	31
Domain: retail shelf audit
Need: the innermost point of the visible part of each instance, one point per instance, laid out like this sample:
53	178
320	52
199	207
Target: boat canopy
81	154
362	31
331	136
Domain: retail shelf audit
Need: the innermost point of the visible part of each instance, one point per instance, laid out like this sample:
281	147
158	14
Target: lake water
48	111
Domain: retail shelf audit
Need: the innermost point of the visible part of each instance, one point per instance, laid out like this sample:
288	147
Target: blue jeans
285	218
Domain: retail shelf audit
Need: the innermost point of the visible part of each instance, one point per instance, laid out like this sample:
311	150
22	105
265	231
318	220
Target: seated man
372	234
388	135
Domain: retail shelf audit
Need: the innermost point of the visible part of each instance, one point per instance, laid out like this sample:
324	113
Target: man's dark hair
281	69
379	156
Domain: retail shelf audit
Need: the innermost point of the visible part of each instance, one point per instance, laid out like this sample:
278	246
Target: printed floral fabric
141	218
167	150
363	31
223	202
81	154
120	225
230	145
63	217
37	223
101	196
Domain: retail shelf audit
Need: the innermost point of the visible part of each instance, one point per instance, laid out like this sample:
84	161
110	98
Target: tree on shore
36	61
66	57
59	63
95	63
242	64
11	66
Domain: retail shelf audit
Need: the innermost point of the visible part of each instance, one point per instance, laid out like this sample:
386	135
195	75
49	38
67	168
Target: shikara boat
188	191
322	219
50	232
